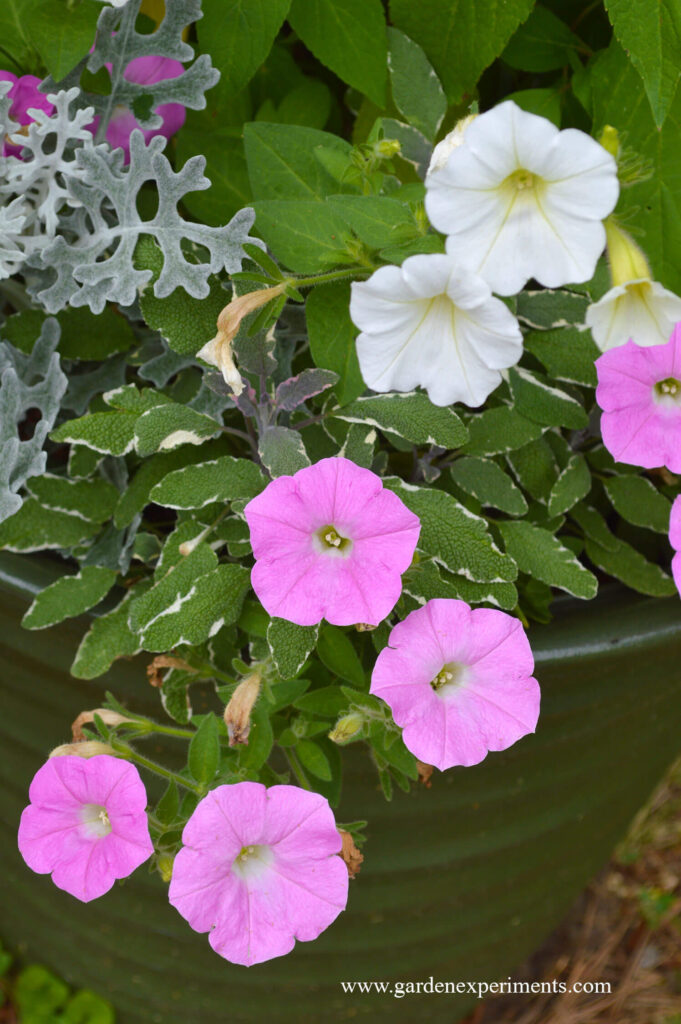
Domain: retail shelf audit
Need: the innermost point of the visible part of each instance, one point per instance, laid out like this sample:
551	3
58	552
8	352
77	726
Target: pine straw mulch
625	929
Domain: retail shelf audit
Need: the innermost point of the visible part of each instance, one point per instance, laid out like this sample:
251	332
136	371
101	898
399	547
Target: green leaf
489	484
541	402
168	806
631	567
204	751
282	161
416	89
35	527
185	323
62	35
499	430
253	755
347	36
332	337
282	451
328	702
204	483
308	104
453	536
409	415
567	353
83	335
593	525
239	34
424	582
38	993
306	235
168	426
541	555
378	221
639	502
313	759
358	444
573	484
650	32
87	1007
338	654
290	645
542	43
108	638
204	133
461	39
91	499
69	596
112	433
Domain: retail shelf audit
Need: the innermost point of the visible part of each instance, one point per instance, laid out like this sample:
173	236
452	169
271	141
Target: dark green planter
460	882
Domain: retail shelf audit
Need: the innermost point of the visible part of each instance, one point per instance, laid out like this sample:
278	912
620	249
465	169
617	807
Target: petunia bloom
432	323
25	96
259	869
519	199
330	542
639	391
86	823
636	307
675	540
459	682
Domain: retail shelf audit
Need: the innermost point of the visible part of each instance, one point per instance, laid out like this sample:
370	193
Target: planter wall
460	882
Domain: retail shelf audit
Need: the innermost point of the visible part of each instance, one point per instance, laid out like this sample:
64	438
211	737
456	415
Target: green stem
332	275
157	769
170	730
295	767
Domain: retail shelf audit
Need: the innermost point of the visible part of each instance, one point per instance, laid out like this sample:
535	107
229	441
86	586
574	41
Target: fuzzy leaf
541	555
499	430
453	536
627	564
538	400
220	480
594	526
535	468
424	581
489	484
282	451
33	381
168	426
34	527
94	500
69	596
290	645
567	353
112	433
98	266
639	502
293	392
547	308
108	638
411	416
573	484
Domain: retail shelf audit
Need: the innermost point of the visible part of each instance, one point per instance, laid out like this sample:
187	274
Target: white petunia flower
518	198
636	307
434	324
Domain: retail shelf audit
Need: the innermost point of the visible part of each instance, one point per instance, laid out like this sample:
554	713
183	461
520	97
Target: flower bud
85	717
164	863
627	262
610	140
87	748
238	712
347	728
424	772
387	148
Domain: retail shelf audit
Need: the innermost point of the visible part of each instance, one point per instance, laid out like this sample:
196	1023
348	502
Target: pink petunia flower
330	542
146	71
639	391
459	682
675	540
259	869
25	96
86	823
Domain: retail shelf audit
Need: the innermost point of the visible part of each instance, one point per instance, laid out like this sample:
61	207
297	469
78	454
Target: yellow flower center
252	860
522	179
449	678
669	388
96	820
331	540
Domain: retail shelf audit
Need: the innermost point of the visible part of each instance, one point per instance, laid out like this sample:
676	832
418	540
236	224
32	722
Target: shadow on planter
461	882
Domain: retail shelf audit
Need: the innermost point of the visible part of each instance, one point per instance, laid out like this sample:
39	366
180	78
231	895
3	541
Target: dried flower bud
162	661
347	728
218	350
350	854
87	748
238	712
425	771
365	627
85	717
